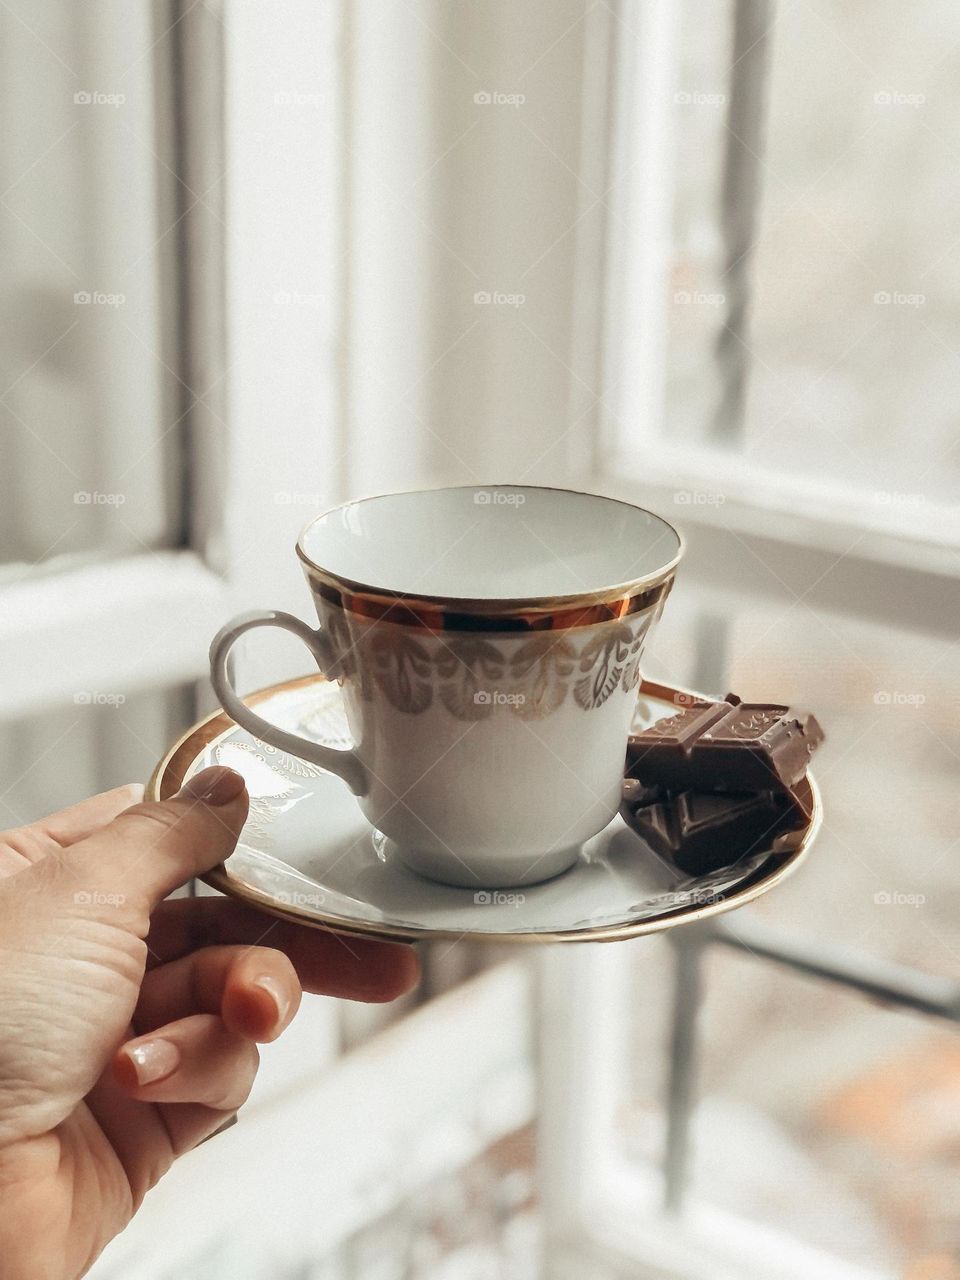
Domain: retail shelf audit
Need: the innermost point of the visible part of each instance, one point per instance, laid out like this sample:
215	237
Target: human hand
128	1025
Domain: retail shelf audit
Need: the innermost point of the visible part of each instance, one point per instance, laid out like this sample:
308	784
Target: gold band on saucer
173	768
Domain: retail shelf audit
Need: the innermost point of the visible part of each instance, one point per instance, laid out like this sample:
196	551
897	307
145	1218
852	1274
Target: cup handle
346	764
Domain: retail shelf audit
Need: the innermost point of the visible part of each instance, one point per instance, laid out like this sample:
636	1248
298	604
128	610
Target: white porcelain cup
488	643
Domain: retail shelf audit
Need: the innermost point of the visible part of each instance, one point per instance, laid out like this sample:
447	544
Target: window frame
771	538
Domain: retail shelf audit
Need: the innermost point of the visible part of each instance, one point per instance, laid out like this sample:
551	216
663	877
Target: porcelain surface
494	542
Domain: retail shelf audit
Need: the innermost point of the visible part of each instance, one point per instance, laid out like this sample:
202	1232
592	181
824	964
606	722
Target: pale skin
129	1025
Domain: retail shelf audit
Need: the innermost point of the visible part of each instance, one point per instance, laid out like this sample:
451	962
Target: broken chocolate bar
729	746
700	832
719	781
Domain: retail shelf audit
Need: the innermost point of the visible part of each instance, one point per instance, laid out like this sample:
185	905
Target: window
699	256
755	1113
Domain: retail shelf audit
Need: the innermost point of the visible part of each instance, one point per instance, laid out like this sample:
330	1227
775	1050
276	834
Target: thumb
153	848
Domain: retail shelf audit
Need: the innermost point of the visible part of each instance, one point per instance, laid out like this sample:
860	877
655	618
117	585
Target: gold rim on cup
451	613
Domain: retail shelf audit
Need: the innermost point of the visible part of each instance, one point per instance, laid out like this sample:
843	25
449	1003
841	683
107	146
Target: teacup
488	642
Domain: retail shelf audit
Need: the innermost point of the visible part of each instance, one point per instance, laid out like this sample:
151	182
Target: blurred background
259	259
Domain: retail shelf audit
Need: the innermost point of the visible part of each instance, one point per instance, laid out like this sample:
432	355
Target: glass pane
854	373
88	417
103	738
481	1221
836	1123
820	1114
697	291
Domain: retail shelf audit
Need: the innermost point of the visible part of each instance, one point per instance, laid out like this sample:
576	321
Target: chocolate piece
719	781
700	832
730	746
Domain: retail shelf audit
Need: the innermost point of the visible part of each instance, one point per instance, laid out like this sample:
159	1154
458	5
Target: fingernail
154	1060
276	994
216	785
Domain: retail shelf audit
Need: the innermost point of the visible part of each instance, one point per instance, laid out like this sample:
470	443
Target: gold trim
474	675
453	613
168	776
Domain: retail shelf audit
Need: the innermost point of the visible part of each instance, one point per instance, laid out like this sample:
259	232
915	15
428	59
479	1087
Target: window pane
103	738
855	373
86	397
697	291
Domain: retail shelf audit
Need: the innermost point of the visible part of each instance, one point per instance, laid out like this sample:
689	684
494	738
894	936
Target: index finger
83	819
326	962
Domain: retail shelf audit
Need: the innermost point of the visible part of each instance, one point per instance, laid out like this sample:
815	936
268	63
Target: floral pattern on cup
474	675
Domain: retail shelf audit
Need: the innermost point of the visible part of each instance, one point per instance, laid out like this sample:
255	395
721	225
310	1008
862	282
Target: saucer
307	854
